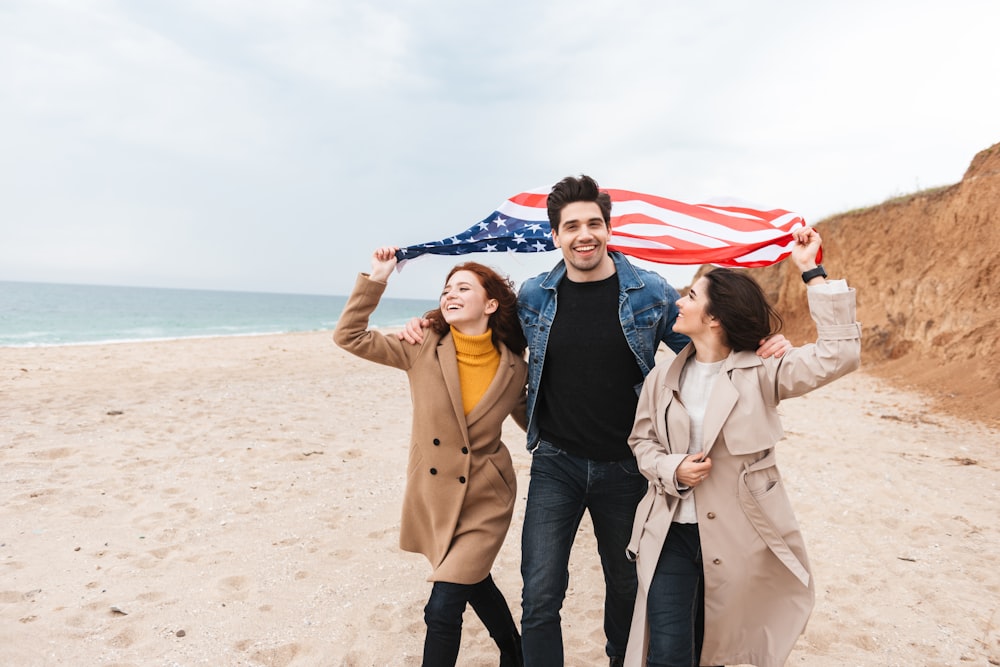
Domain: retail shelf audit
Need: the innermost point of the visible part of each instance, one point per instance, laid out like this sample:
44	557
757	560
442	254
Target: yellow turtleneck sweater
478	361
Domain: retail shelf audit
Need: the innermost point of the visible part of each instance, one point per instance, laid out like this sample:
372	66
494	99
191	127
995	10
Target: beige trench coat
460	481
758	585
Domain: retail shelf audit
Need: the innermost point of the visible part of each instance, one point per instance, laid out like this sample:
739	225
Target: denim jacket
646	309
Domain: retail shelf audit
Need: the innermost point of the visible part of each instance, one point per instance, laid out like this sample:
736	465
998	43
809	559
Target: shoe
617	661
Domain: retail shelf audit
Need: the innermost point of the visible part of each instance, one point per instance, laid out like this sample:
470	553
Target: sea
38	314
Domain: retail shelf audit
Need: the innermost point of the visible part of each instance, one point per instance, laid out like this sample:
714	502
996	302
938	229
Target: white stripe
770	253
708	234
648	230
672	217
530	213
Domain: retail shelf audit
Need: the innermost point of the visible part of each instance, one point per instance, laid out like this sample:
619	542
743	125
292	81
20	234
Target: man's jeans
562	486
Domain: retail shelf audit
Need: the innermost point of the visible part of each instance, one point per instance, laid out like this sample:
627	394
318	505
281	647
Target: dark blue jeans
443	615
562	486
676	604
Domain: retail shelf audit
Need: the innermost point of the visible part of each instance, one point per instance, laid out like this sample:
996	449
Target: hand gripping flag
647	227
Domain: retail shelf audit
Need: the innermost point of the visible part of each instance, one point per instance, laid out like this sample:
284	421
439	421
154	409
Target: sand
235	501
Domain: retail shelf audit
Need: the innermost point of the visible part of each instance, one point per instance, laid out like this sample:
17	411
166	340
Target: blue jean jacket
646	310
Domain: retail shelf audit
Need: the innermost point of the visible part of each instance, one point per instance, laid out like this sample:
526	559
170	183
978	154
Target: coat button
711	515
717	561
461	480
436	442
465	450
434	471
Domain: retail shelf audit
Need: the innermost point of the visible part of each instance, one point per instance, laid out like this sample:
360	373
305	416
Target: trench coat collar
724	393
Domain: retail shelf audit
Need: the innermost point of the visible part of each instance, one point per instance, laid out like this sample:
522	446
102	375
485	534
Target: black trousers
443	616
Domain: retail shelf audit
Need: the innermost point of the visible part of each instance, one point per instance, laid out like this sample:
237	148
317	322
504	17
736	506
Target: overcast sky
270	146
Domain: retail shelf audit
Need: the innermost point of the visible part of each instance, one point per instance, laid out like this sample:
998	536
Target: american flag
647	227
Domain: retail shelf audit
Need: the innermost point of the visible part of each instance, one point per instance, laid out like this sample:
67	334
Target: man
587	360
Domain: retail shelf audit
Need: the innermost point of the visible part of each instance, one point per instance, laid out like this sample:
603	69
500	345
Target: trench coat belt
772	538
642	513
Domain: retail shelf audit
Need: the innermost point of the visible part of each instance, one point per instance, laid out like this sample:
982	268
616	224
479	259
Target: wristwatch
813	273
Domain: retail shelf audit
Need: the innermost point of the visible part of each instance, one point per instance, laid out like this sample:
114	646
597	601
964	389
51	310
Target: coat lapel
720	404
498	385
448	361
677	421
725	395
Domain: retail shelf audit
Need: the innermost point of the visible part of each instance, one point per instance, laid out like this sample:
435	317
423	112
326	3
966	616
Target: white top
697	380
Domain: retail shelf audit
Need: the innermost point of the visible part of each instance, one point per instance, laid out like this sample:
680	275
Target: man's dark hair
572	189
738	302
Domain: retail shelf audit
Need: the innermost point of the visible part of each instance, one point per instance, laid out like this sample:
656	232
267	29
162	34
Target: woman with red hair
466	377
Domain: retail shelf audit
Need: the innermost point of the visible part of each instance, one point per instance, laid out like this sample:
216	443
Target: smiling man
587	361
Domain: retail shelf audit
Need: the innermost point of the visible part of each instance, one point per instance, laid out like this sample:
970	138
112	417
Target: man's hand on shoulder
776	346
413	331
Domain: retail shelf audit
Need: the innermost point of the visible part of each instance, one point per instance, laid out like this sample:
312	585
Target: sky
271	146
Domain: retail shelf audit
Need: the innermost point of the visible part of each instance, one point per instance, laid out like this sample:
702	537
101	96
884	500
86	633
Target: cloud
270	146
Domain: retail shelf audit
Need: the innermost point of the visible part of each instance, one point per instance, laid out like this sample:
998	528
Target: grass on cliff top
900	199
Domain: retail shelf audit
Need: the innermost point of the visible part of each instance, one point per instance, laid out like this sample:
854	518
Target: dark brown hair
738	302
503	321
572	189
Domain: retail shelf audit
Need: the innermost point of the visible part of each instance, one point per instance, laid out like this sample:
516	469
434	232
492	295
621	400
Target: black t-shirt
587	397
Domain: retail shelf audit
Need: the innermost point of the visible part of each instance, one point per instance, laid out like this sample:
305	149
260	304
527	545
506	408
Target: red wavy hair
503	321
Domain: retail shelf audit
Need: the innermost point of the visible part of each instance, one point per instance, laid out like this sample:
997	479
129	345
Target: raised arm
832	304
352	332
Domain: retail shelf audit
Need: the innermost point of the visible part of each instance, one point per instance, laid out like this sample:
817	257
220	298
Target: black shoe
617	661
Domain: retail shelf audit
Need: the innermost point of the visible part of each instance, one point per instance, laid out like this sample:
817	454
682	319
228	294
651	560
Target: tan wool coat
460	481
758	585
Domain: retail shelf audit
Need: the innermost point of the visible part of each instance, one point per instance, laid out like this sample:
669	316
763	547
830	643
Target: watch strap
819	271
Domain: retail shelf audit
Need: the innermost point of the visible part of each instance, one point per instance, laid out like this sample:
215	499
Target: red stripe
532	199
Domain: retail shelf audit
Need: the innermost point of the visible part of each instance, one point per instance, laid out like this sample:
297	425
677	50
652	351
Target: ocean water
33	314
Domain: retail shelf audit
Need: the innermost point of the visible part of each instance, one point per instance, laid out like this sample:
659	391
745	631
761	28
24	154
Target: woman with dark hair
723	573
465	378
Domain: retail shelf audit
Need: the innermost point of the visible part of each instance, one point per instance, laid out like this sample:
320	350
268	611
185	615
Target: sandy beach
235	501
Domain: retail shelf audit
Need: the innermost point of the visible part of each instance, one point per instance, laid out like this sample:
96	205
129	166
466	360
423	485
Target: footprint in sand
379	534
190	510
55	453
123	639
89	511
9	597
385	618
276	657
235	587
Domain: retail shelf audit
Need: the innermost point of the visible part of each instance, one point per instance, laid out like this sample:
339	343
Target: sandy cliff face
925	267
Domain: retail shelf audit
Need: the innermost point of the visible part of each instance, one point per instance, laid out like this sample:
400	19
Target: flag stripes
644	226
